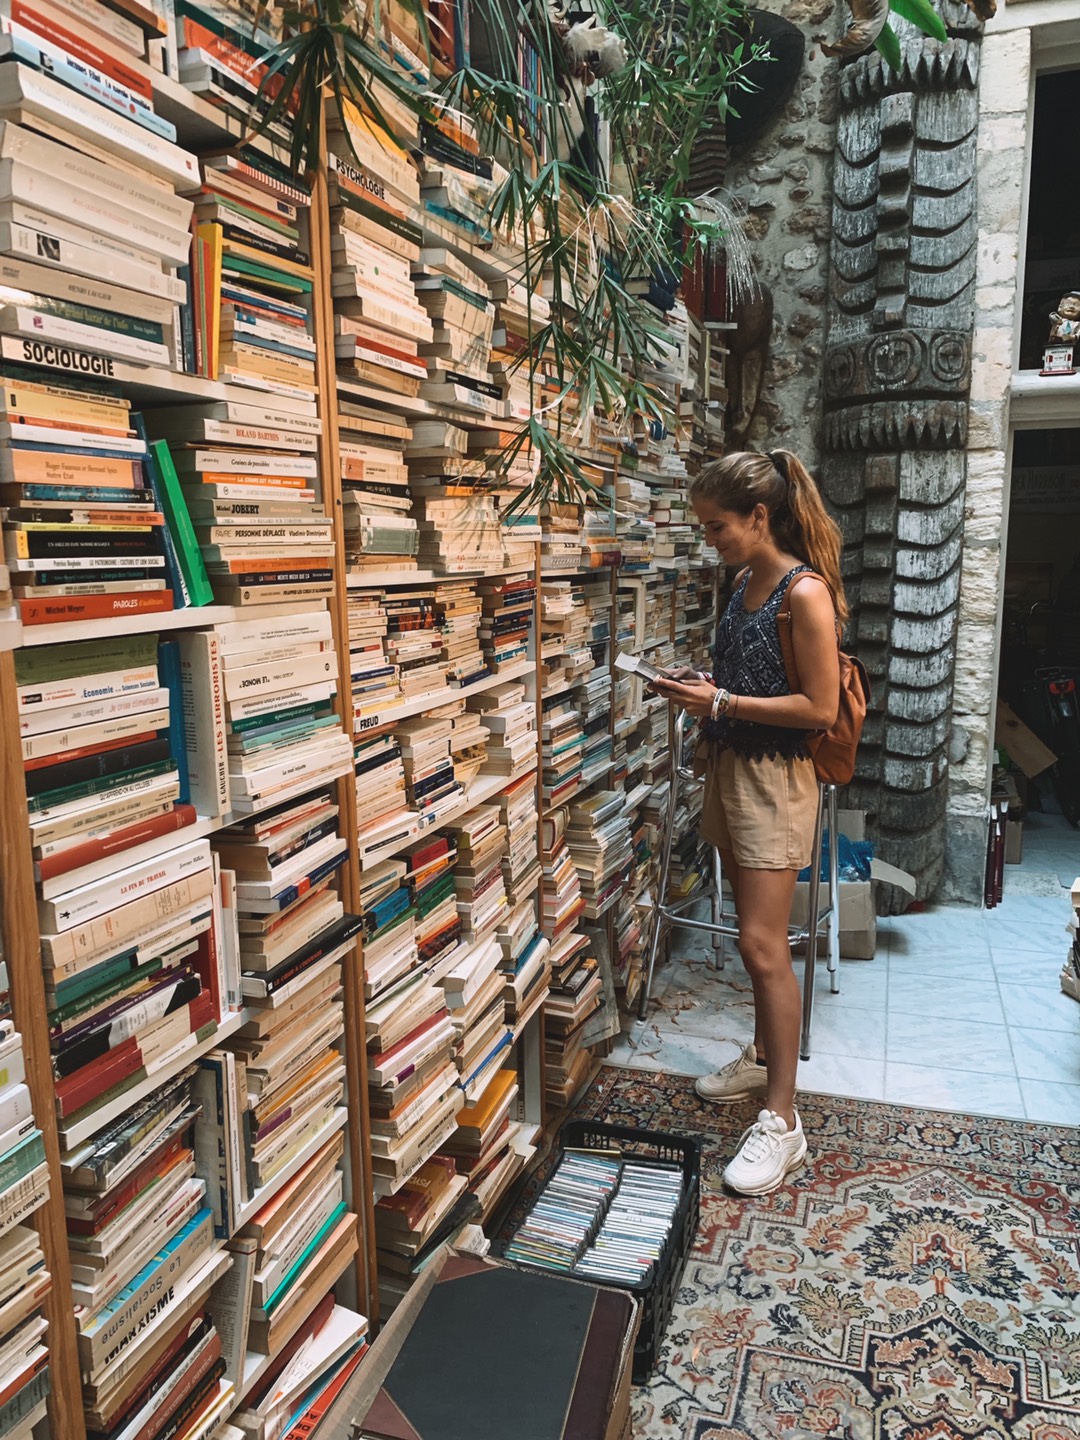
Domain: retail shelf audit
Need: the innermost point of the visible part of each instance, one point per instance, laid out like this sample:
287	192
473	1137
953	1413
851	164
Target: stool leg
659	920
813	909
834	895
719	953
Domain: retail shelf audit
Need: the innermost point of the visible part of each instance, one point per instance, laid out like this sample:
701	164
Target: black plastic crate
656	1293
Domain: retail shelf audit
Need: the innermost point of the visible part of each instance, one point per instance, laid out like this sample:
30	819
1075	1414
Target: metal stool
725	922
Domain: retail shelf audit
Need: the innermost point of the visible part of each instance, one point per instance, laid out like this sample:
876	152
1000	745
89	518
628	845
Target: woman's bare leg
764	905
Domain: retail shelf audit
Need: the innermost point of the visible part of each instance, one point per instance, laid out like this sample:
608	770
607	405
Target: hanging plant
582	230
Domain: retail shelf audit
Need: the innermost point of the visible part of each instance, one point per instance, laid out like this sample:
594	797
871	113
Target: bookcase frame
203	130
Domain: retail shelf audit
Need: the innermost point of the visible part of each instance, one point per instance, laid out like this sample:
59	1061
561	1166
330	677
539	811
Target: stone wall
1004	91
782	182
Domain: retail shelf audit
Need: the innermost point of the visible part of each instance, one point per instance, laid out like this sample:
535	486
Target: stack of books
379	533
430	781
509	605
521	859
458	608
473	990
132	1197
382	814
83	525
593	701
479	839
460	533
509	720
429	866
414	641
103	750
263	692
524	967
561	902
296	1245
375	687
518	315
485	1145
563	738
24	1281
468	740
576	992
560	547
598	837
310	1369
390	952
414	1097
406	1222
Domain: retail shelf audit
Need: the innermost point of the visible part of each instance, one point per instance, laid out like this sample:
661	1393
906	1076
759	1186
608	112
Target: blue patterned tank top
747	660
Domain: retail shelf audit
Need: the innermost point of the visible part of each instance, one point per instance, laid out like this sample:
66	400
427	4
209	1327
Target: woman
765	516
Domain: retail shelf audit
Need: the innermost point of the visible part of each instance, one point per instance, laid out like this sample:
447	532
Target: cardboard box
1021	745
858	915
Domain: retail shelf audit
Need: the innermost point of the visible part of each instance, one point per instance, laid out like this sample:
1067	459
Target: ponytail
798	520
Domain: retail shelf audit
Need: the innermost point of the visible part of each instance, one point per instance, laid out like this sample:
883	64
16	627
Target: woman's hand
693	694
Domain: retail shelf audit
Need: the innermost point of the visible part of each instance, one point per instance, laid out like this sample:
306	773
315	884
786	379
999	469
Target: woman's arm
813	636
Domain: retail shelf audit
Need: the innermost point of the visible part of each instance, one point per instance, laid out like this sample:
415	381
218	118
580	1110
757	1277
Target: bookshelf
520	949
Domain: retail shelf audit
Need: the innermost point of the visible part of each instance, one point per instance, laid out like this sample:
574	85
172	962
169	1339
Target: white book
251	706
301	760
55	694
246	462
41	280
38	324
23	89
88	902
109	24
77	171
89	712
263	679
56	742
202	686
238	636
42	244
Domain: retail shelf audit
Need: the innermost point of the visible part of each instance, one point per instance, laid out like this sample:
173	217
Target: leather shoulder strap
783	626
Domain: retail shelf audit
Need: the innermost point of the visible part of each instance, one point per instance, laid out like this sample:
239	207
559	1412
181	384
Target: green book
251	270
48	801
119	976
178	519
291	1274
38	663
26	1156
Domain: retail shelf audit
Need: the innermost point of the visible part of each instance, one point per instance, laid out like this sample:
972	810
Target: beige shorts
762	811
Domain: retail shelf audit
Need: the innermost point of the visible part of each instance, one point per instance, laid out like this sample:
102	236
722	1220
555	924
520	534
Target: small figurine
1065	320
1064	334
868	19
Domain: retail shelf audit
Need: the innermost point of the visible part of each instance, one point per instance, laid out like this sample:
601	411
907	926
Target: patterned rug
917	1279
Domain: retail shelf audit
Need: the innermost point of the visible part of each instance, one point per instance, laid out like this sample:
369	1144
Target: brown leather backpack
832	750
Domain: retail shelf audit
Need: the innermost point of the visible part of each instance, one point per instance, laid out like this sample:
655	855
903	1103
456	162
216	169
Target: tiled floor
960	1009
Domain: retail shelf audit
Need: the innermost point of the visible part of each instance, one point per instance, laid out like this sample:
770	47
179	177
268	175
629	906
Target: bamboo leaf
922	14
888	46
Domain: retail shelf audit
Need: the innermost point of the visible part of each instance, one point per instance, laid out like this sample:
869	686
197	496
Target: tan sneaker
738	1080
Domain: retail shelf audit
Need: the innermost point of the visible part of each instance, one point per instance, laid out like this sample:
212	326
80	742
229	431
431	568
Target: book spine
93	607
73	333
202	674
180	526
116	843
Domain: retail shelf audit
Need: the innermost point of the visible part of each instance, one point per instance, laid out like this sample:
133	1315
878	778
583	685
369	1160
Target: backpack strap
783	626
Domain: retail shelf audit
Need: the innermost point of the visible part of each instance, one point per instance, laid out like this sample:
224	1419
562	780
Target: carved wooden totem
896	383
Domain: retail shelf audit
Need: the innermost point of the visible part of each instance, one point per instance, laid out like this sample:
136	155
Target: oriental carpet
917	1279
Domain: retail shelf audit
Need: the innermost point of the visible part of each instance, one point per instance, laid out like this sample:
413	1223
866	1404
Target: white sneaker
738	1080
767	1153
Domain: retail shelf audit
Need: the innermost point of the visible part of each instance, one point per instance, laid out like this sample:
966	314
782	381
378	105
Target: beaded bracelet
721	701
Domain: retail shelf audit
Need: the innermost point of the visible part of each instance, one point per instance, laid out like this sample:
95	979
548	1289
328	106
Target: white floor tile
945	935
863	984
945	997
1037	968
1040	1007
949	1044
673	1054
842	1075
1047	1054
840	1030
953	1090
1053	1104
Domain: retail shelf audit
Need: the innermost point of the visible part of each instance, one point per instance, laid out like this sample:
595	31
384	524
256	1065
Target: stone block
808	257
1005	82
995	304
998	254
965	860
765	174
987	425
1001	184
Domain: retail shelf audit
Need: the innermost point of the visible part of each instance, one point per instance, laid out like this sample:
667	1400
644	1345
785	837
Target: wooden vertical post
359	1132
22	953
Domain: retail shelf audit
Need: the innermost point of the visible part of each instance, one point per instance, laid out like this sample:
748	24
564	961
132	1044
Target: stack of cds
602	1218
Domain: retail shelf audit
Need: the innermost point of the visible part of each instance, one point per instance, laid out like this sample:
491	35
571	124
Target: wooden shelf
193	618
72	1136
1044	400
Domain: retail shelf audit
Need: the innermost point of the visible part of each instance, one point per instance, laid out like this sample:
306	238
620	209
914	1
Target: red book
385	1057
42	762
94	1081
94	607
124	839
312	1418
183	1336
23	1378
427	851
177	1389
110	1205
70	41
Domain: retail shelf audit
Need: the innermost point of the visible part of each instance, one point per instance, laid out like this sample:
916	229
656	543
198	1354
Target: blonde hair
798	520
